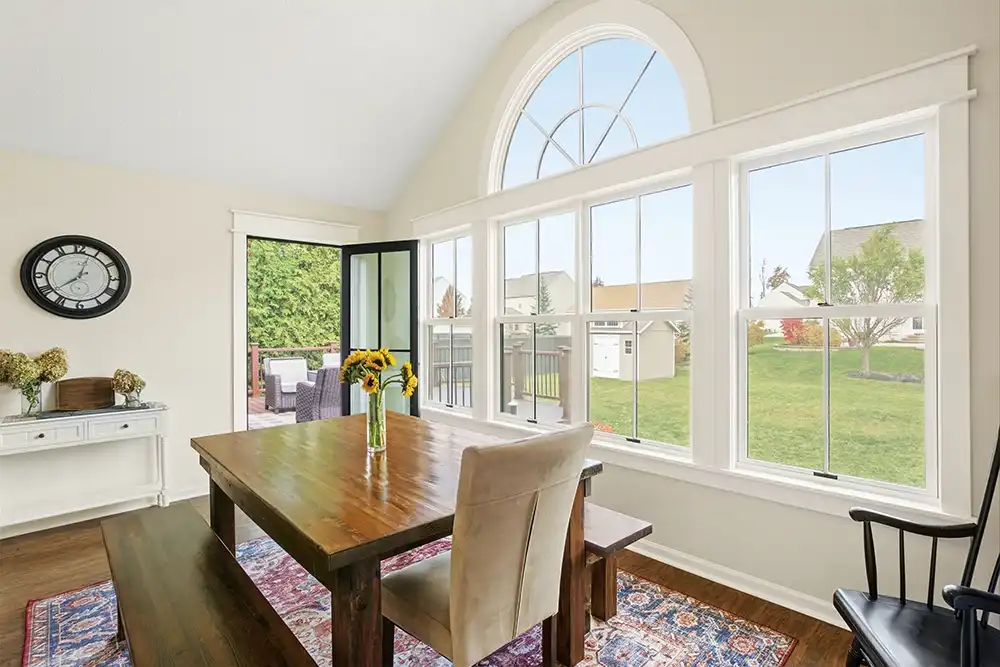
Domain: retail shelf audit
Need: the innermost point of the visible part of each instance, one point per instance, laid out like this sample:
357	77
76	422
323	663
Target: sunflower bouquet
366	367
26	374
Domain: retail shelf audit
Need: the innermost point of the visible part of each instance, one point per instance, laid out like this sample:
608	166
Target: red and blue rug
655	626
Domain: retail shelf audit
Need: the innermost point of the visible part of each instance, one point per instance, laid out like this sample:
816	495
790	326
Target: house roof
663	294
845	242
527	285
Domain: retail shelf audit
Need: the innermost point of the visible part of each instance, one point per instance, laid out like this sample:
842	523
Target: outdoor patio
258	417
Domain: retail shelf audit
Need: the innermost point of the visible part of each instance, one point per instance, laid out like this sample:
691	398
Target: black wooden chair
895	632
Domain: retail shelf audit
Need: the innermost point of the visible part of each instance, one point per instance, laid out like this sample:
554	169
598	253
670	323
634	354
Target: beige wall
756	55
175	327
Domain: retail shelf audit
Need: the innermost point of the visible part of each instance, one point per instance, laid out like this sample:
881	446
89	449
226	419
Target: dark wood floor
43	564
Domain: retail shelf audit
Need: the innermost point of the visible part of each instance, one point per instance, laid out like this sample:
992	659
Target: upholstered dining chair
897	632
501	577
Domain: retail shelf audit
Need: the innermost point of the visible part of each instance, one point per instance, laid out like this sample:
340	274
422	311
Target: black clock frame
31	289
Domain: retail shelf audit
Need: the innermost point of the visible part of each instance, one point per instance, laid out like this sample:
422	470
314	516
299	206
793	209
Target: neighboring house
612	353
785	295
845	243
520	296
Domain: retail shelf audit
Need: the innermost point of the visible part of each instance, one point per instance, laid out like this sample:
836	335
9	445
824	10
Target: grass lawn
876	428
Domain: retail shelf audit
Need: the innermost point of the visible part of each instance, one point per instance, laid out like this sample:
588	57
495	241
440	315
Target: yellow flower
410	386
390	360
370	383
376	362
21	371
126	382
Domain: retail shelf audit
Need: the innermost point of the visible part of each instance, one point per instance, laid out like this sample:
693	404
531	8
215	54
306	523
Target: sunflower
370	383
406	372
390	360
376	362
410	386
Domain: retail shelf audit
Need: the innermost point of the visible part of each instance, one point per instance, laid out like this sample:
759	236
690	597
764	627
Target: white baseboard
766	590
185	493
172	495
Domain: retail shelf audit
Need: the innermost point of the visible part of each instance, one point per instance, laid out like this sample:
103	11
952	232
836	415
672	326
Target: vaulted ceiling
331	99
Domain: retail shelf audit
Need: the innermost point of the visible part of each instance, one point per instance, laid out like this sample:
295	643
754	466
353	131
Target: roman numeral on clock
45	290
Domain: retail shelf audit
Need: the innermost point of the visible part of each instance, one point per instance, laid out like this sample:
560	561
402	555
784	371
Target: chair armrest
963	598
946	531
311	375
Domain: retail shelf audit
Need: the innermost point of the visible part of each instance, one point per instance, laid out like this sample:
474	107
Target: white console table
62	465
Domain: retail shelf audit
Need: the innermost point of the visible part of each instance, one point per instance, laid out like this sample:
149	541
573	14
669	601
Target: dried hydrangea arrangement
129	385
27	374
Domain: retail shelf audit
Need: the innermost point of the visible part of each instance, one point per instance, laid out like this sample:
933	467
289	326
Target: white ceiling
332	99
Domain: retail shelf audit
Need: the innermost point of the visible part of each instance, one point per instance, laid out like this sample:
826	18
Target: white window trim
935	89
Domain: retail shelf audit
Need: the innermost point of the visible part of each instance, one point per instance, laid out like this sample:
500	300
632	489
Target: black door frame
347	252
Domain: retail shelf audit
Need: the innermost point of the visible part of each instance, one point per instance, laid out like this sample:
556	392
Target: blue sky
869	185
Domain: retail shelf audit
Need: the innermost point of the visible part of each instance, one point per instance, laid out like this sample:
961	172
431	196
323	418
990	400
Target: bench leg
549	642
604	588
356	601
571	621
388	642
222	516
121	626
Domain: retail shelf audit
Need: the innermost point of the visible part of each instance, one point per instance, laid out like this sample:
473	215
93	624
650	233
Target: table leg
571	621
356	608
222	515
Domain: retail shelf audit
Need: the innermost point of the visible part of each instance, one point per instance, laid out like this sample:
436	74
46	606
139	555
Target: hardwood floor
43	564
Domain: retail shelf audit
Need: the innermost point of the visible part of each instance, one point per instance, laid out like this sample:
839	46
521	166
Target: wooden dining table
339	511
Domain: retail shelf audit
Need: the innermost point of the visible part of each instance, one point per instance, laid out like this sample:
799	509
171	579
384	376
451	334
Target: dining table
338	510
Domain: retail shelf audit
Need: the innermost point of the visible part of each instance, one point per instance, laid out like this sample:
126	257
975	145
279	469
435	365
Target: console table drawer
123	427
41	435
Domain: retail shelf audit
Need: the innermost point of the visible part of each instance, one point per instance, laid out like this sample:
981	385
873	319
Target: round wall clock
75	276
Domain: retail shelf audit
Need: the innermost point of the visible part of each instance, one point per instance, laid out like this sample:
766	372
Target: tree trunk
865	361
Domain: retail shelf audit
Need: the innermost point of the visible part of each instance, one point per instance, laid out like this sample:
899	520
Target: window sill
798	493
676	463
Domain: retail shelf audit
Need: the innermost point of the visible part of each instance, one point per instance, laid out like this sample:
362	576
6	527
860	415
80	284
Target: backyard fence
526	372
313	356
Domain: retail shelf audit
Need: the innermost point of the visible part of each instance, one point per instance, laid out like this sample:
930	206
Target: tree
881	271
779	276
684	327
544	308
598	281
293	294
762	276
452	304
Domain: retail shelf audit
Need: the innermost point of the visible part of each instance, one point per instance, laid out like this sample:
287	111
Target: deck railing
257	353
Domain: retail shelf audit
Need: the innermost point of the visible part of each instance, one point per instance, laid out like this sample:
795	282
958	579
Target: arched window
605	98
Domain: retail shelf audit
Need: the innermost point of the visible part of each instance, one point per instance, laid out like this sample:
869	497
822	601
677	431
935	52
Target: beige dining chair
501	576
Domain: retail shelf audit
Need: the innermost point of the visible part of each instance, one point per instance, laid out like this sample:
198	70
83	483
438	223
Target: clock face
75	276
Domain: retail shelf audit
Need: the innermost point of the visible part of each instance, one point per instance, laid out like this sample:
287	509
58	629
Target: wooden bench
605	533
184	601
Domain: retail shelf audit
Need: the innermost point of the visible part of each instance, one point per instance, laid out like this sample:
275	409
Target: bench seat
184	601
605	533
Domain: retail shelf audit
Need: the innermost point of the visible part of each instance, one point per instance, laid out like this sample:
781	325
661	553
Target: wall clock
75	276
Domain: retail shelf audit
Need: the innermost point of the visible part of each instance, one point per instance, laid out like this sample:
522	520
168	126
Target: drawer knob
40	435
124	425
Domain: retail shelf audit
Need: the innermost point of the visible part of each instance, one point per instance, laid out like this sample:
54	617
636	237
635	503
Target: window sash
925	309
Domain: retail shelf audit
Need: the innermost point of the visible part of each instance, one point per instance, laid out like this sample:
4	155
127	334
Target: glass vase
31	400
376	423
132	400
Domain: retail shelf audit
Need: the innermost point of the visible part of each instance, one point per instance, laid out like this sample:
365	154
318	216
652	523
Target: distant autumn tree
881	271
452	304
779	276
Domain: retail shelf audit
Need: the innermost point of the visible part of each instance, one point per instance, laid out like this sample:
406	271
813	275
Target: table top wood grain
315	489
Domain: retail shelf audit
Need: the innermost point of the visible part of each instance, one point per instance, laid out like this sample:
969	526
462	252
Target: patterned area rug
654	626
